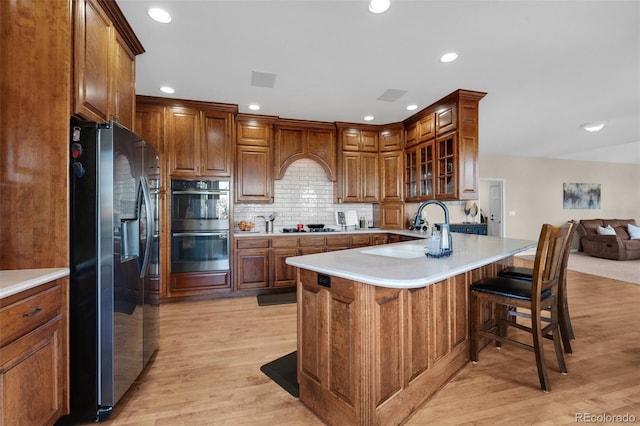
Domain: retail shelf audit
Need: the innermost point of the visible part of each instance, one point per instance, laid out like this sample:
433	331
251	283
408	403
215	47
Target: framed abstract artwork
581	195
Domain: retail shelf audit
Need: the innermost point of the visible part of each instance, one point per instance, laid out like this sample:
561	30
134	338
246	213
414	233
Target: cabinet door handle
32	313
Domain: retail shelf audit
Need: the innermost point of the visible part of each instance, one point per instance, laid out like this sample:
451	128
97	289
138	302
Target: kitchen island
381	329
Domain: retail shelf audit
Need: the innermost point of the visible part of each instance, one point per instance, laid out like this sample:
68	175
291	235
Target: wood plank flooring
207	369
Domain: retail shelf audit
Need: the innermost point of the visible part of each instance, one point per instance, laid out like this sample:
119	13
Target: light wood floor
207	369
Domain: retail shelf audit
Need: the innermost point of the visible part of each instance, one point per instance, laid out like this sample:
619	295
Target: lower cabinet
260	264
469	228
33	355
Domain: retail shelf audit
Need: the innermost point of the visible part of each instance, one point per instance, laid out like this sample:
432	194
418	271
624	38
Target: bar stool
564	320
537	296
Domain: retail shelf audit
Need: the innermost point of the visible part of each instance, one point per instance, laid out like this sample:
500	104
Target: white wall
533	189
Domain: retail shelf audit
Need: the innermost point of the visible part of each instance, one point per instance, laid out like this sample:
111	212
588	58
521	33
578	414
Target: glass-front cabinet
447	168
420	172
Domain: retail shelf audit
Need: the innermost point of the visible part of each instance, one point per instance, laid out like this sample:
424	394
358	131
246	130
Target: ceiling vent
263	79
391	95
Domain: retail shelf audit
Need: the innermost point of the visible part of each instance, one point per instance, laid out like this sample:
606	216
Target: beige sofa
617	247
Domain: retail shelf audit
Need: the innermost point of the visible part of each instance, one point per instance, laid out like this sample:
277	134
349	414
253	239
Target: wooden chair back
549	259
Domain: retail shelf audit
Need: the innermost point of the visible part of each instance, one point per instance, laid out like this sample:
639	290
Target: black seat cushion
517	272
507	287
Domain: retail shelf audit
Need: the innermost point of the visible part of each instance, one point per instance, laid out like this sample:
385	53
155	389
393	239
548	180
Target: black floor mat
283	372
276	299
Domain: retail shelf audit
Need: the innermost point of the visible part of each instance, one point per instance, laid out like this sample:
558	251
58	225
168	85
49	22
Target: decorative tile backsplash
304	195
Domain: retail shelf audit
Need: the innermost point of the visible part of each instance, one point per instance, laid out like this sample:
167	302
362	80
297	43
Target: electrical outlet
512	212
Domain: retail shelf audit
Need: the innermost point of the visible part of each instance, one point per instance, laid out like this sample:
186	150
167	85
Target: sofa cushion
608	230
634	232
590	226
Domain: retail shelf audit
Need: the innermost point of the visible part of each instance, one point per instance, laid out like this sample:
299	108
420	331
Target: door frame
503	197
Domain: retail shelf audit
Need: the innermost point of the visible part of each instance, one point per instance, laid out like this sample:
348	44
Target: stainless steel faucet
446	246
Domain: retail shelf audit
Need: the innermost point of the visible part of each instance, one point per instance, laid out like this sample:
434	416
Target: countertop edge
343	271
15	281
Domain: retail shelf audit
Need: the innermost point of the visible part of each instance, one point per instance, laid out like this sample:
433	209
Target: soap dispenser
433	243
445	239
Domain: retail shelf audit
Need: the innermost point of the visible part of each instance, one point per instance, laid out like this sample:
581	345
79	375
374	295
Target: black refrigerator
114	291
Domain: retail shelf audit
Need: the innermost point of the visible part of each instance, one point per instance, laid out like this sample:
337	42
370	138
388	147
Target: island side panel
329	350
372	355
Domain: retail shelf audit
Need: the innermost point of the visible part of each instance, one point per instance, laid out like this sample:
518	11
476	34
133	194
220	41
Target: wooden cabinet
337	242
359	177
104	51
124	84
312	244
200	142
358	164
296	139
35	45
252	263
391	171
389	215
457	165
254	172
358	139
411	135
370	355
444	163
261	263
34	382
362	240
426	127
149	124
391	164
283	275
391	137
419	172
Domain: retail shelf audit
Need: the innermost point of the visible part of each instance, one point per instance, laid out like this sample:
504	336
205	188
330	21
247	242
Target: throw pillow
606	231
634	231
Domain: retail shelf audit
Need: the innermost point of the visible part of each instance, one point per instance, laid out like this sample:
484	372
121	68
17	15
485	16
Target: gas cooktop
287	230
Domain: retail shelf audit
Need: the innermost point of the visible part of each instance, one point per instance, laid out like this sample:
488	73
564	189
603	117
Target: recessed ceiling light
368	117
449	57
379	6
412	107
159	15
594	127
167	89
254	107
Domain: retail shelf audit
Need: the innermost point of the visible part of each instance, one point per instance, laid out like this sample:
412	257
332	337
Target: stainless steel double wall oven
199	225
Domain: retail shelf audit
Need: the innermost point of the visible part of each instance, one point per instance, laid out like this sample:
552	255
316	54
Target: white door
494	216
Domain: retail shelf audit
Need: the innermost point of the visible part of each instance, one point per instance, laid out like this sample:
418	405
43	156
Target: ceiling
547	66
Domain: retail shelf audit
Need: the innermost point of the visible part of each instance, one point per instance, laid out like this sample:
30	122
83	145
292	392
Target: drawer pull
32	313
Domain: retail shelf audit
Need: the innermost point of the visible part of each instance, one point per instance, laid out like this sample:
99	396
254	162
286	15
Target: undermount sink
410	251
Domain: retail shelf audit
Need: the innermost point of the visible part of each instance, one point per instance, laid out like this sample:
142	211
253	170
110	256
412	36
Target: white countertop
469	252
15	281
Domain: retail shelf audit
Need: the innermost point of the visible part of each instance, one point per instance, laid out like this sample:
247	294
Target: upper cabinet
358	139
104	51
196	136
253	172
358	164
442	160
391	137
296	139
